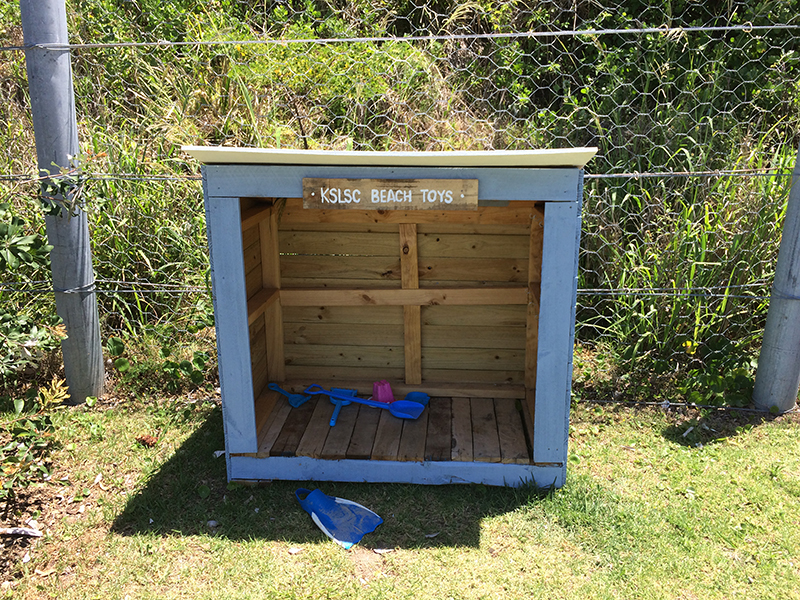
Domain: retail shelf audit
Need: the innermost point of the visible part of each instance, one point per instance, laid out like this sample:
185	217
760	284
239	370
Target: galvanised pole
48	63
778	376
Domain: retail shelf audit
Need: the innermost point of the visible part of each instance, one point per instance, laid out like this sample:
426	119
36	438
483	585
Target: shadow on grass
190	489
714	427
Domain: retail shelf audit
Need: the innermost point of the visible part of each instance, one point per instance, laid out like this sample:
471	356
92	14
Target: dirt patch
35	507
369	564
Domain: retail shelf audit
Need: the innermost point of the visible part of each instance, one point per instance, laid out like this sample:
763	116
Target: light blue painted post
556	331
778	376
44	24
224	226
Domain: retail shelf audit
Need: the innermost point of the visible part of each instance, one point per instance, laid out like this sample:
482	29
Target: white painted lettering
375	197
322	196
448	197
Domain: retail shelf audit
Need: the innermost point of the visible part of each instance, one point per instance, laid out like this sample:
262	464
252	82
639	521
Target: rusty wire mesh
694	107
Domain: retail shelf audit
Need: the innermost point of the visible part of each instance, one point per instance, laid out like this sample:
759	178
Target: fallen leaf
146	440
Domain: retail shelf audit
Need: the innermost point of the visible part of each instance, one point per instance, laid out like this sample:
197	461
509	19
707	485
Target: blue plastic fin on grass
344	521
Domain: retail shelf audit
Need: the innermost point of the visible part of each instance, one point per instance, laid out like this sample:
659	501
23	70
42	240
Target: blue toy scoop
402	409
294	399
344	521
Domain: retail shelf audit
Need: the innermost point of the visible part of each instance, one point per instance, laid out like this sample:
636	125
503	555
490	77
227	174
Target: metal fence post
778	376
44	23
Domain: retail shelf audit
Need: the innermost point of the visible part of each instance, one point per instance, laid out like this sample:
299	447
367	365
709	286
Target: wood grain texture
316	433
513	448
398	297
367	268
467	316
272	427
460	336
363	437
461	449
387	437
358	315
413	438
293	429
340	242
343	334
518	213
478	359
338	439
343	356
473	245
255	214
273	332
264	405
534	281
485	442
509	384
412	324
450	386
439	438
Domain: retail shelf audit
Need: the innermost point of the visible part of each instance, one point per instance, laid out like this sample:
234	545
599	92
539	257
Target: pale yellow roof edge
568	157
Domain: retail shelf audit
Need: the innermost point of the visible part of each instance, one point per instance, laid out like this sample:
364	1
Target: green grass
647	512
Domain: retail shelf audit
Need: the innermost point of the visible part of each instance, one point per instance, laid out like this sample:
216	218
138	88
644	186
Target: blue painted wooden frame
560	188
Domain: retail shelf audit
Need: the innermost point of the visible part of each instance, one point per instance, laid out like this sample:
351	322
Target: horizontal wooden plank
253	281
259	303
515	214
511	270
252	256
357	315
305	375
460	336
343	356
398	297
255	214
486	316
368	268
289	283
250	236
340	243
345	334
554	184
467	359
442	245
390	194
471	378
427	228
450	388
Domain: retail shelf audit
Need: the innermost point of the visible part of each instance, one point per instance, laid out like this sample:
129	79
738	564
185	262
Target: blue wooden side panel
556	331
494	184
224	227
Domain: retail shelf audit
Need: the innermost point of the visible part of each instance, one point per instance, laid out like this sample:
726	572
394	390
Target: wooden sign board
391	194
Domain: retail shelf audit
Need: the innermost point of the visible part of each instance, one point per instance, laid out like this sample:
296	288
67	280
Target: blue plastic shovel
294	399
402	409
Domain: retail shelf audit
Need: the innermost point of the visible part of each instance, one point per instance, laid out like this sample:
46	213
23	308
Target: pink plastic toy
382	392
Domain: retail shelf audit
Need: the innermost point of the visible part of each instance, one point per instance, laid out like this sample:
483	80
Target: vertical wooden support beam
562	228
271	279
412	323
532	320
224	227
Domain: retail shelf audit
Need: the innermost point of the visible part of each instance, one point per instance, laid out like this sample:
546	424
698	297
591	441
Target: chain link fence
694	106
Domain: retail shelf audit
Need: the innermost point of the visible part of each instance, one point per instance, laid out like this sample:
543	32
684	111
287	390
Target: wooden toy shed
450	273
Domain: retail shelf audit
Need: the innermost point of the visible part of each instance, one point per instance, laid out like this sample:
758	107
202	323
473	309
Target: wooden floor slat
363	438
293	429
438	442
316	433
513	448
338	440
387	437
412	441
485	442
461	445
459	429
